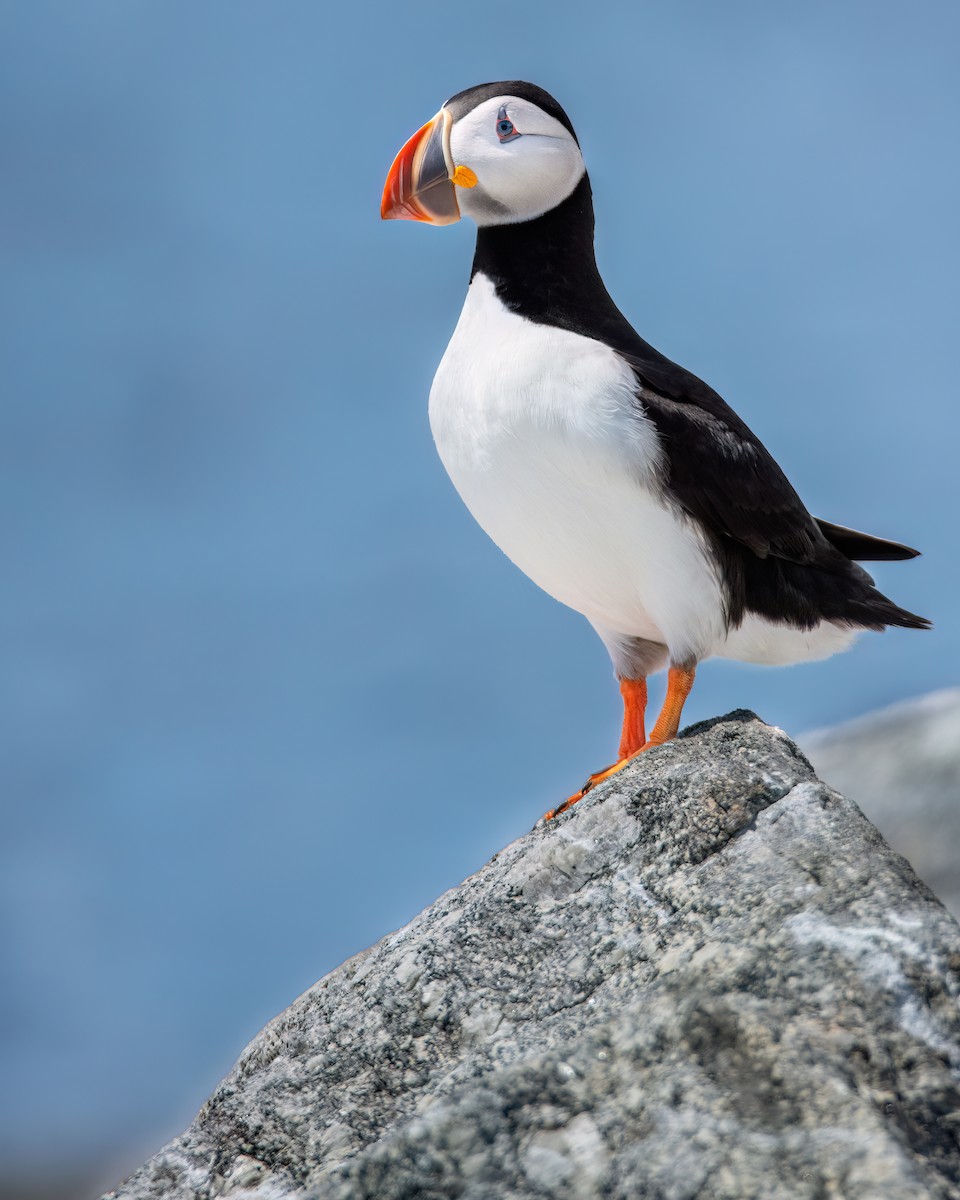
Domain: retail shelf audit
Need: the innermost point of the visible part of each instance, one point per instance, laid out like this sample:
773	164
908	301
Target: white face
523	168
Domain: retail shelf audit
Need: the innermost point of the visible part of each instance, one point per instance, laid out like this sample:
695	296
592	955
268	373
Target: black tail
875	611
803	594
864	547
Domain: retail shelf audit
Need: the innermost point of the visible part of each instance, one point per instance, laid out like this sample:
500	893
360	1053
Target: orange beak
419	186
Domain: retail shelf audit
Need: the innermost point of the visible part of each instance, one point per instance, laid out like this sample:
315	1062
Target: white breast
541	434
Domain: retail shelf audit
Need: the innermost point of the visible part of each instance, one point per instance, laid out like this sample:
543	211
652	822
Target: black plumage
775	559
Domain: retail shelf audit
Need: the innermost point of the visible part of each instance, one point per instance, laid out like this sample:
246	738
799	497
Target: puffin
618	481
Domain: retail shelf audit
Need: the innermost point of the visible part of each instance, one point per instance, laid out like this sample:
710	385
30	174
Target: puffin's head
499	153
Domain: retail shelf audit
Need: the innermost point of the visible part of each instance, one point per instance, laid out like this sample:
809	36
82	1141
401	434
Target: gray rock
712	978
902	767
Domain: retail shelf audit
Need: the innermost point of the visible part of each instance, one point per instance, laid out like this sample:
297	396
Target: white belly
541	435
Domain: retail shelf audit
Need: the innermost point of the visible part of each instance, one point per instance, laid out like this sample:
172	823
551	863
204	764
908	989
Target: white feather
541	434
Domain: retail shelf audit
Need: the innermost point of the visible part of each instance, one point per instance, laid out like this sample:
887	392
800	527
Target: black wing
718	469
776	559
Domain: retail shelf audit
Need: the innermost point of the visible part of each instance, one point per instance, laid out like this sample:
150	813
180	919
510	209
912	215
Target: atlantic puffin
618	481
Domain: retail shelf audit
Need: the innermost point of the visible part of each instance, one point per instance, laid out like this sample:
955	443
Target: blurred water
267	690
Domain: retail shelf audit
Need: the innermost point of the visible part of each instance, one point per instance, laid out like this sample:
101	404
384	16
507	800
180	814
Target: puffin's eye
505	127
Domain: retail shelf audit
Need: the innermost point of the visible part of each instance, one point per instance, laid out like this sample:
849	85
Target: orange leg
632	737
679	683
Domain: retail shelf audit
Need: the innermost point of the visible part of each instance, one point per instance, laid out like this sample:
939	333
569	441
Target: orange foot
597	777
679	683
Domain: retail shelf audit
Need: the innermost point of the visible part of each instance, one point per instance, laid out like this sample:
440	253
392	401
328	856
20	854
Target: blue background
266	688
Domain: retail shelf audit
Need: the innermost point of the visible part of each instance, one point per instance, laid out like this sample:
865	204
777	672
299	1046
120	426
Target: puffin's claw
589	785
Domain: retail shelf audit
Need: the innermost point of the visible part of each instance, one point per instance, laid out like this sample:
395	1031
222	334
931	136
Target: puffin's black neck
546	270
